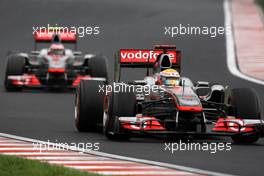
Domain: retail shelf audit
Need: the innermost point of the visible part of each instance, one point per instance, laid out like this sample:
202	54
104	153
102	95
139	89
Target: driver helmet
57	49
170	77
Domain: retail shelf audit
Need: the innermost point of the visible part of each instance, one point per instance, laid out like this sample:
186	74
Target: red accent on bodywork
47	35
56	70
149	125
25	80
190	108
77	81
231	125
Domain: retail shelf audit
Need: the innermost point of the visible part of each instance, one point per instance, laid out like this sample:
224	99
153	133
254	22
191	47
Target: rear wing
53	35
145	58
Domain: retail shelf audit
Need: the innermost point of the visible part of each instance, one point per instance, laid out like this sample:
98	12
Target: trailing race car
53	67
174	107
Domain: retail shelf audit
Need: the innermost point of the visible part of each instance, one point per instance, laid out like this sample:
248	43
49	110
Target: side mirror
202	88
202	84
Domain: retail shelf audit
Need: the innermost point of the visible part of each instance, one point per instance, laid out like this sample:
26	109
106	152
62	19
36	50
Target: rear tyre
15	67
121	104
98	67
245	105
89	106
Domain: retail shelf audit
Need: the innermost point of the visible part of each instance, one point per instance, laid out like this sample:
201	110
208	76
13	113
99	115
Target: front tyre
245	105
15	67
89	106
120	104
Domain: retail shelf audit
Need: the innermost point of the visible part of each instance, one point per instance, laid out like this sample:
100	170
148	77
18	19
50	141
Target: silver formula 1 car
177	109
52	67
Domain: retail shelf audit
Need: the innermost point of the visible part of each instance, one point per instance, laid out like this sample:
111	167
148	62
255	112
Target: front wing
229	126
32	81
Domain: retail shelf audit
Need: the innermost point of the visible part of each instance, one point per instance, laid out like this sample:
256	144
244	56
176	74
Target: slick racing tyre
246	106
119	104
245	102
98	67
89	106
15	67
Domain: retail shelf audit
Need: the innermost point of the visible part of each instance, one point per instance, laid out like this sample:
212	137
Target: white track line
20	148
29	154
15	145
144	173
117	167
7	141
91	162
105	156
56	158
230	47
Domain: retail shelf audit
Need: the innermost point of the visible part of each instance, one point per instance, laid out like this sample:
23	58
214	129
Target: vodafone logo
139	56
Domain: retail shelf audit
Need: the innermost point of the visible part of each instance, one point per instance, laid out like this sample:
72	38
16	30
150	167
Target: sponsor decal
144	56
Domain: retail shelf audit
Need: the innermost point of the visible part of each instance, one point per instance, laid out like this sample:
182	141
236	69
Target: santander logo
139	56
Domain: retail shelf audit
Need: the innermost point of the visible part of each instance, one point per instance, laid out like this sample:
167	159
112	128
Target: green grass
14	166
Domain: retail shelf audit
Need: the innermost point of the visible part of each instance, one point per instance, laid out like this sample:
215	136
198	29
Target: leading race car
52	67
174	106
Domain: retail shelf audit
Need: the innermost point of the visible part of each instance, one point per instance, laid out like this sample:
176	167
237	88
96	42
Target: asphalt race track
123	24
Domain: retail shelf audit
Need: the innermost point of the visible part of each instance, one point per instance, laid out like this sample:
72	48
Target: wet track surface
123	24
